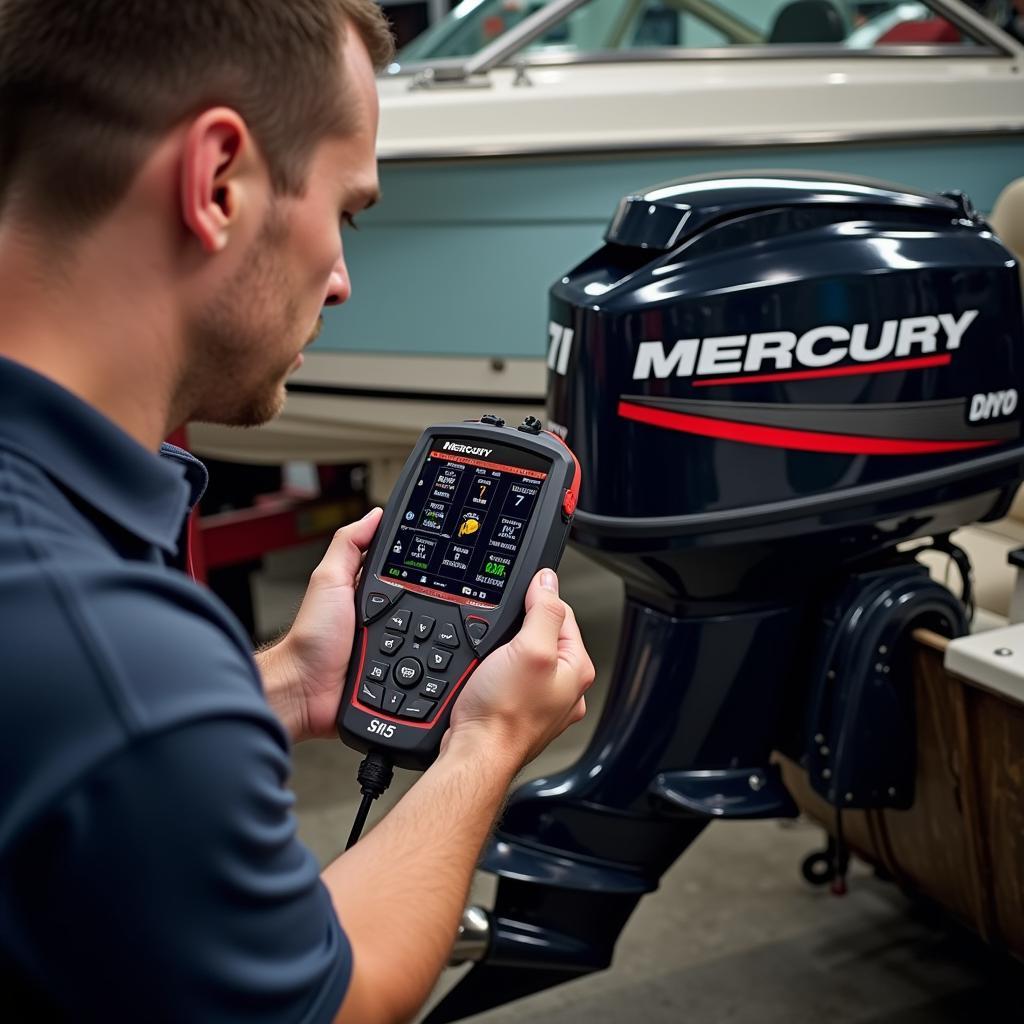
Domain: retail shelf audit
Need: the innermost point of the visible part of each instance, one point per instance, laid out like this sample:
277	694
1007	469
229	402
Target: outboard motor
773	382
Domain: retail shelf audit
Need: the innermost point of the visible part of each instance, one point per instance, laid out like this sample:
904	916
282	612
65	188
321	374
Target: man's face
250	339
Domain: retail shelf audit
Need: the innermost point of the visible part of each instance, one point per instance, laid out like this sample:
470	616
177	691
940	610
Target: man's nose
338	286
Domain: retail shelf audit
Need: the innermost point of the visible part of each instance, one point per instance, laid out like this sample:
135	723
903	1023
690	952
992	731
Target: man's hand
531	690
413	869
303	674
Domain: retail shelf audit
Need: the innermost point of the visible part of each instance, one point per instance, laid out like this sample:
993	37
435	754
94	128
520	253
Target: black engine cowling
771	381
766	360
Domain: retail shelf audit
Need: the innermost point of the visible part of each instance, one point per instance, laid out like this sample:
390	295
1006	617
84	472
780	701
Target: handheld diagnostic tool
478	509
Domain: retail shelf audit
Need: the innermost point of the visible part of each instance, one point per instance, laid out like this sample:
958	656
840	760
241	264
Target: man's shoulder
171	875
167	647
32	502
99	653
133	626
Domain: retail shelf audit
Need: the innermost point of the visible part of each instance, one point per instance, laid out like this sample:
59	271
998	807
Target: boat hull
451	273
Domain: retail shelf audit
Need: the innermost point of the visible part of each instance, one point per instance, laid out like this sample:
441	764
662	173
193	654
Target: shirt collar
92	457
196	474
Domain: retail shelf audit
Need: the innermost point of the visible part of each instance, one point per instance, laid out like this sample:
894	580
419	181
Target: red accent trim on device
362	662
572	496
832	371
441	595
533	474
799	440
377	713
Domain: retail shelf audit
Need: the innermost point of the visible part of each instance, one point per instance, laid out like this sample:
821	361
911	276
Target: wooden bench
962	842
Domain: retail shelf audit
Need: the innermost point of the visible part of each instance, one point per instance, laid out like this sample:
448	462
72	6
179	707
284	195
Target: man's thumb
545	612
345	555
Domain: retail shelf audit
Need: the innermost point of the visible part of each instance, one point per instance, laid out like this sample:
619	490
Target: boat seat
989	544
923	32
1007	218
808	21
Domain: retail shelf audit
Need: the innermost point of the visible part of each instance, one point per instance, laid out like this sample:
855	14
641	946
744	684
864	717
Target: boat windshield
603	26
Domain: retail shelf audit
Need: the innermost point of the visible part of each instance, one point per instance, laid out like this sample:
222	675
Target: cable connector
374	776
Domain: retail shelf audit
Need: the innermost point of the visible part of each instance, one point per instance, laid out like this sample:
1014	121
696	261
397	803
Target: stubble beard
235	385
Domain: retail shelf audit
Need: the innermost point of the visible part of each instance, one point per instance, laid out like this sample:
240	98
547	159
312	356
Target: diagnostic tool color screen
465	520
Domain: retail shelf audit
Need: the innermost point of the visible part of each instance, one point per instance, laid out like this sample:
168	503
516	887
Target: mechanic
173	177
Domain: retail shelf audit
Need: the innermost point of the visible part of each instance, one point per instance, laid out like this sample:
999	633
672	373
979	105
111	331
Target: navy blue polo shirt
149	863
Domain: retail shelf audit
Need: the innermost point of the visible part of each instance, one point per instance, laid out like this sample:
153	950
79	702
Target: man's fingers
344	557
545	614
569	636
572	649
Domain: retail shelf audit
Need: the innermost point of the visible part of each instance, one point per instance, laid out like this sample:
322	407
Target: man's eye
348	219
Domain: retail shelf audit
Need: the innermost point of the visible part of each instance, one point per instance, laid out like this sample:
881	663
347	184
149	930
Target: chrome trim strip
522	35
793	51
722	20
807	138
533	27
673	54
975	23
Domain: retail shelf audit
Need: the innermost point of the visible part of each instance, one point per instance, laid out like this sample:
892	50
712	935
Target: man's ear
217	149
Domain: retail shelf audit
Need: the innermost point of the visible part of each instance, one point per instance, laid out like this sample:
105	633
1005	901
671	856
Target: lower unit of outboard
773	383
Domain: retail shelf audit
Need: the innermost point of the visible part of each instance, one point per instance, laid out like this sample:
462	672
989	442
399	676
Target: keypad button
447	636
437	660
417	708
374	605
390	643
371	694
408	672
399	620
392	701
477	630
377	671
433	688
423	627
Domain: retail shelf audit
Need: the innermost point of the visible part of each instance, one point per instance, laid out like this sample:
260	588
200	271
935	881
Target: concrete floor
734	934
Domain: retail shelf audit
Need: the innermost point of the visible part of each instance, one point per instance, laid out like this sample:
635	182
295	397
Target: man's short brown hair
87	87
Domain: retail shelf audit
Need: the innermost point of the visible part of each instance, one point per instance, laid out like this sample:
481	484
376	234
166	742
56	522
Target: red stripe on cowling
799	440
832	371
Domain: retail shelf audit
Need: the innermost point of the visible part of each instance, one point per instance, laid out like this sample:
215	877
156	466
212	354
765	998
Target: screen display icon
466	519
469	524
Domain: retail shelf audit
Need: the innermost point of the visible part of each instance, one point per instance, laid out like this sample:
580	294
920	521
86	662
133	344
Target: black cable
357	825
840	858
374	776
962	561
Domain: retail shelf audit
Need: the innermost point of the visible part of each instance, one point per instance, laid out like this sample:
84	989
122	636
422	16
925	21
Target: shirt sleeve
170	885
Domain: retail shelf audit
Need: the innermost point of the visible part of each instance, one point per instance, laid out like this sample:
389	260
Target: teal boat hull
458	258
